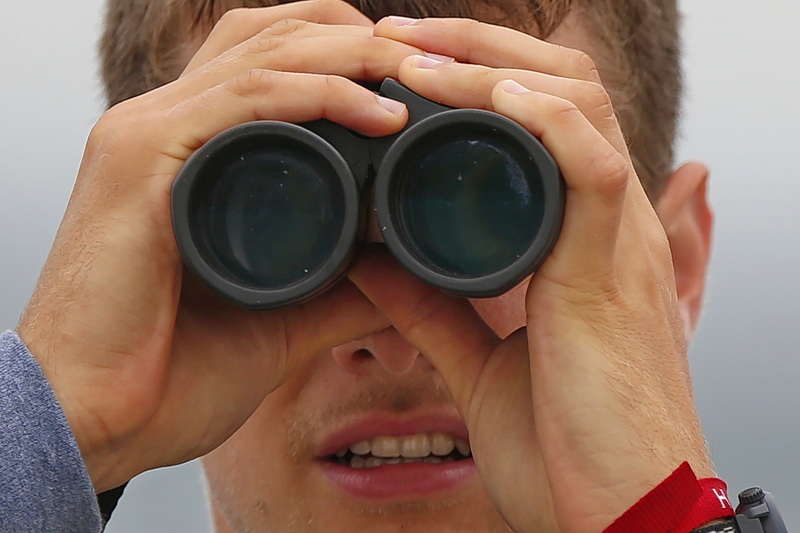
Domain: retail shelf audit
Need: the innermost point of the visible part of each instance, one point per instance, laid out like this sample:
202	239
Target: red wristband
678	504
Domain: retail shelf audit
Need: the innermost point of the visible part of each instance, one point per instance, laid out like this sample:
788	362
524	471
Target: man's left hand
590	406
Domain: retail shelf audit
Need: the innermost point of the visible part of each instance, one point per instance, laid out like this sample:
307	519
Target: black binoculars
270	214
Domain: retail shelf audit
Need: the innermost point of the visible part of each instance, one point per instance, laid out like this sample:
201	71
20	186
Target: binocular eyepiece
270	214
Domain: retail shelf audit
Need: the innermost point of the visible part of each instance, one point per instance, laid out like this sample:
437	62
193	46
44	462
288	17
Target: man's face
364	438
282	471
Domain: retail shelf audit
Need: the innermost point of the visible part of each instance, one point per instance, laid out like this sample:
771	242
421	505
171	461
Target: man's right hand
150	368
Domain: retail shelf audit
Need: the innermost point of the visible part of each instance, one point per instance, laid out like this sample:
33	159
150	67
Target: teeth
386	447
372	462
442	444
361	448
417	446
358	462
463	447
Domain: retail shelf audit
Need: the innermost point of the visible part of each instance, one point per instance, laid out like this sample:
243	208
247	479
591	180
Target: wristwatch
756	513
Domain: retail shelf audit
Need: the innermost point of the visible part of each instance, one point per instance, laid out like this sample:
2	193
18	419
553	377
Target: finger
270	95
238	25
284	338
446	330
597	176
471	86
471	41
298	46
228	376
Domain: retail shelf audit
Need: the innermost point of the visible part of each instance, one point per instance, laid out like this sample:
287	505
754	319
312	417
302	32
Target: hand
575	417
149	367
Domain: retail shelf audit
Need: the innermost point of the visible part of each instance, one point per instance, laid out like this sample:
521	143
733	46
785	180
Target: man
554	407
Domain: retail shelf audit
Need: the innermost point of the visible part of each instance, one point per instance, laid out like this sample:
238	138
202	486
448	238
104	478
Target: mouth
382	458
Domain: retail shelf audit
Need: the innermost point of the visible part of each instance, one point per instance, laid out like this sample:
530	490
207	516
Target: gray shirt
44	485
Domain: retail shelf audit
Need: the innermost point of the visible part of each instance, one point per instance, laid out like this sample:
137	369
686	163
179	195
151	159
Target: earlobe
684	212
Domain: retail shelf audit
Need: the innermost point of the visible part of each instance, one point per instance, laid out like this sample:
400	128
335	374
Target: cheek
238	485
256	475
505	313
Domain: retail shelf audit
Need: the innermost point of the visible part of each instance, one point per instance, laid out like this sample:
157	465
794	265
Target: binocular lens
272	216
267	213
471	205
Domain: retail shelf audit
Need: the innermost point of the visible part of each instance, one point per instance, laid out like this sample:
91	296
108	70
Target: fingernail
402	21
440	58
424	62
392	106
512	87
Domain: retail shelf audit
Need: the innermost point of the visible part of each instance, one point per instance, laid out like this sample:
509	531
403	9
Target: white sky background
741	116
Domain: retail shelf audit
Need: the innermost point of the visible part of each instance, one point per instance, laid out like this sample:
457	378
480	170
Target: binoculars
270	214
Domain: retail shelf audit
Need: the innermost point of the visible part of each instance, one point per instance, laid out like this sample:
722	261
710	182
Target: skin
574	387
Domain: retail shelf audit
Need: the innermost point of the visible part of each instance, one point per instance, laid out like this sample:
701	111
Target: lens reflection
271	216
471	205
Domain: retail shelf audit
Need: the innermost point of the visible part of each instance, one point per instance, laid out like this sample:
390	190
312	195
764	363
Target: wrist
106	469
106	462
100	453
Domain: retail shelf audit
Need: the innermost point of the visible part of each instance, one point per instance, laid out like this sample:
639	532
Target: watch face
760	505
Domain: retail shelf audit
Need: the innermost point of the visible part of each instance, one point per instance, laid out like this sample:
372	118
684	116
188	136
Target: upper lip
371	425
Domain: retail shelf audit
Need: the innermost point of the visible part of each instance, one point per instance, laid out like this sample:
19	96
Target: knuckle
612	170
286	27
106	123
425	311
564	110
264	45
583	66
470	25
470	28
106	130
597	99
335	84
232	18
486	77
333	5
254	81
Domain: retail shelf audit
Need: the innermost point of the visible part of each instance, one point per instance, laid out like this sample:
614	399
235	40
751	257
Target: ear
687	219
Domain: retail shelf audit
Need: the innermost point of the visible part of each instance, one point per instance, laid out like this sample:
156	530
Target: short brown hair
144	45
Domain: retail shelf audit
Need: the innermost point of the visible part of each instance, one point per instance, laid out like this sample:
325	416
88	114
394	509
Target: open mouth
382	458
431	448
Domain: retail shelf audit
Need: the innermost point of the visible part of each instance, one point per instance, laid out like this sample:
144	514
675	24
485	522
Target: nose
387	348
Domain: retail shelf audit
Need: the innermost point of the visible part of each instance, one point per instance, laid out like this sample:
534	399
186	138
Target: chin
440	515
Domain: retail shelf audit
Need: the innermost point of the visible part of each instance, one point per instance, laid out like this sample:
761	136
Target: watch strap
727	526
108	502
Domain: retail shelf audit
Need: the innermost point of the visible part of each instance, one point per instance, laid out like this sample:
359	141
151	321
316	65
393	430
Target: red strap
712	505
678	504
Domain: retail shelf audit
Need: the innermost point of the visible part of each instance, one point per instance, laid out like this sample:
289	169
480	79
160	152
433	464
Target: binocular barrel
271	214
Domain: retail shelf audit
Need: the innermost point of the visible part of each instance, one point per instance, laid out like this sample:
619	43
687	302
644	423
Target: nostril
361	355
386	348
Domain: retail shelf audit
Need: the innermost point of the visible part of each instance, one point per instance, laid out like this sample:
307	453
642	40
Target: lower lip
397	481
